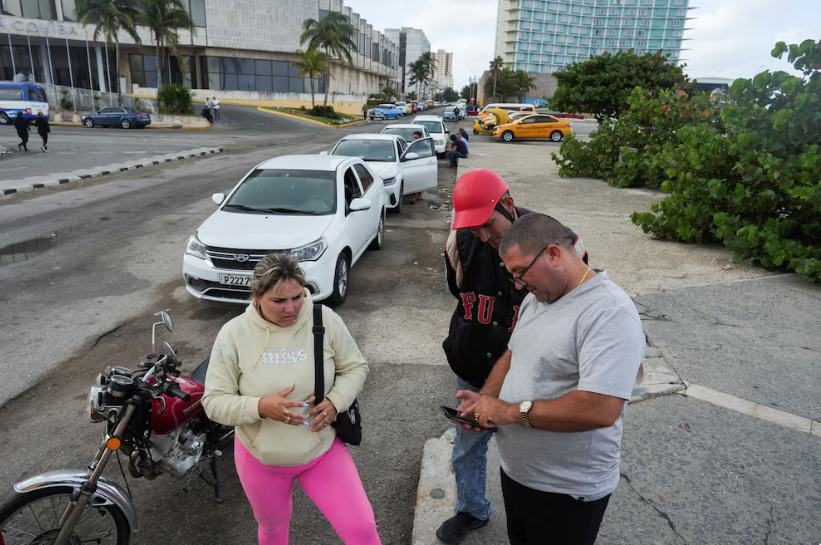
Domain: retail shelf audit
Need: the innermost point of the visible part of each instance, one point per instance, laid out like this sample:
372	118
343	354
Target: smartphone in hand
453	415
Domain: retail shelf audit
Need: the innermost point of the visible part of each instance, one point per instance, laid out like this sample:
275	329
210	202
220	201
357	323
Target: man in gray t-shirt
558	394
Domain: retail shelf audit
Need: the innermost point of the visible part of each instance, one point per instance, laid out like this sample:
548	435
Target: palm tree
524	83
165	18
496	65
334	34
429	62
388	93
109	17
419	73
314	63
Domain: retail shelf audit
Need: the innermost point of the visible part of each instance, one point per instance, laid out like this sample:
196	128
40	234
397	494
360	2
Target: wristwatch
524	409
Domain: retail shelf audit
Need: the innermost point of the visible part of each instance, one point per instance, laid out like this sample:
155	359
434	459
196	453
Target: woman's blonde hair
273	269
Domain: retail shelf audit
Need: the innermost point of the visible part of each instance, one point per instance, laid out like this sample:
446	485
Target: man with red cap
481	326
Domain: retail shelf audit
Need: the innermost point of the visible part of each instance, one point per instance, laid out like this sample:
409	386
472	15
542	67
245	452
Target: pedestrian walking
458	150
261	380
43	128
557	395
216	103
485	316
365	111
22	126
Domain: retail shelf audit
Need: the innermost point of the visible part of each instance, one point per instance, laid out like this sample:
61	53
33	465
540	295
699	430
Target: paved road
84	298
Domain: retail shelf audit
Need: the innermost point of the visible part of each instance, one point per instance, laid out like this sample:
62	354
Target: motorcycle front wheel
33	518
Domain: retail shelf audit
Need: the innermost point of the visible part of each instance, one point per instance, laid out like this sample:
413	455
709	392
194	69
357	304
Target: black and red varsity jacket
488	304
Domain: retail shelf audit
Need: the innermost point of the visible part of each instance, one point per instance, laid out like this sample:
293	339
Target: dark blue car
114	116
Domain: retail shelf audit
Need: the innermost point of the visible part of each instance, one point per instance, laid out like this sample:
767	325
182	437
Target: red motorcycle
153	417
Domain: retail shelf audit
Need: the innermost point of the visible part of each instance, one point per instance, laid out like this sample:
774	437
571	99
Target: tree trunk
117	70
313	102
494	86
159	73
327	77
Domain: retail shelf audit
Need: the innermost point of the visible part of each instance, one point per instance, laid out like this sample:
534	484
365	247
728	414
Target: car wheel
4	119
475	131
125	123
376	243
398	208
507	136
556	136
340	291
89	123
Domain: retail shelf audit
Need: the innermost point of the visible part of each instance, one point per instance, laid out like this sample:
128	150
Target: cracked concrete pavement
732	461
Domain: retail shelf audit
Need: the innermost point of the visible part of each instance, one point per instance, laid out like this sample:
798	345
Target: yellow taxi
534	126
485	121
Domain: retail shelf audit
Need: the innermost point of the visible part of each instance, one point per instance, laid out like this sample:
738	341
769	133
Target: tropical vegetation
312	65
509	83
165	18
334	35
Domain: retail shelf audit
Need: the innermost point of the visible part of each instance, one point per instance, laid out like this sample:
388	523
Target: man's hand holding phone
486	411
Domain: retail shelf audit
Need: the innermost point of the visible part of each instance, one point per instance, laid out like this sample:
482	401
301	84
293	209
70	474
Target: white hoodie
253	358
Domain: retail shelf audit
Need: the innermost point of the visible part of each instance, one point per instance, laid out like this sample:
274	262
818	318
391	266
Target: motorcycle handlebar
174	391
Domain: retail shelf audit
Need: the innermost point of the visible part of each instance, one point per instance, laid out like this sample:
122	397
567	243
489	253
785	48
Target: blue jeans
470	465
454	156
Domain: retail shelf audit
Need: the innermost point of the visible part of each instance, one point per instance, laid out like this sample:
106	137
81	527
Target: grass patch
342	119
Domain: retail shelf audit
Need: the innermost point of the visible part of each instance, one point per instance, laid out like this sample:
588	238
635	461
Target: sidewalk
8	187
721	441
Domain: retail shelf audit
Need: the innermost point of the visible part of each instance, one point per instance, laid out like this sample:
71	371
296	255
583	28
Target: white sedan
325	210
406	167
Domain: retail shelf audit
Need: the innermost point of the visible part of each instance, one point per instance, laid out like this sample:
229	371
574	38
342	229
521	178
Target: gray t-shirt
591	340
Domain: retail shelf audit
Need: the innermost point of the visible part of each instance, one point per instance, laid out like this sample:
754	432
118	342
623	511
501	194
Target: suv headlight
311	252
389	181
195	247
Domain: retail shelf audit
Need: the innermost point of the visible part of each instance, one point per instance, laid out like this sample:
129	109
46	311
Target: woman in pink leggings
261	380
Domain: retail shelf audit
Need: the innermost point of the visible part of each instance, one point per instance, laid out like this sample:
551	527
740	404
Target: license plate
235	280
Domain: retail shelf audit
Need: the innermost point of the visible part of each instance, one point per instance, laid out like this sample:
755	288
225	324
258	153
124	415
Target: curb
104	171
352	124
155	127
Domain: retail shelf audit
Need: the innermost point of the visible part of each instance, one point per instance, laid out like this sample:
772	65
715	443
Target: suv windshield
433	126
274	191
405	133
36	94
382	151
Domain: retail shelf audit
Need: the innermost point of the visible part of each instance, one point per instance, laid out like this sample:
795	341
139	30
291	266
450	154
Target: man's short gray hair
533	232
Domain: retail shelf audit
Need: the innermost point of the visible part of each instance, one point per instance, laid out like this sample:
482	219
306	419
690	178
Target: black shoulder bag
348	424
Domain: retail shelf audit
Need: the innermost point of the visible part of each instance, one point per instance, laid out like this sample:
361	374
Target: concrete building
239	49
412	42
443	73
545	36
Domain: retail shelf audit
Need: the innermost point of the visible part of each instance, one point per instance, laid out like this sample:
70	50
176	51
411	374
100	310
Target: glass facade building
544	36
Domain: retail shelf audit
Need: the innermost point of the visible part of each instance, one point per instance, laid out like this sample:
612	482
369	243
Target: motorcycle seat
200	371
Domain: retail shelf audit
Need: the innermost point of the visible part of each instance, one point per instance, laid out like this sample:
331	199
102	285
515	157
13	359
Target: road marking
13	168
135	152
755	410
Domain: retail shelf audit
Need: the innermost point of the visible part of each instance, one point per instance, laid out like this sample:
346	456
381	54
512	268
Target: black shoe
455	529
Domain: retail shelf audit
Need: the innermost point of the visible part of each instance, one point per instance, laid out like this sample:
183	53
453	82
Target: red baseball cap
475	196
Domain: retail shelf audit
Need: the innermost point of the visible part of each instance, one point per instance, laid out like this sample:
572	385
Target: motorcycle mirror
166	320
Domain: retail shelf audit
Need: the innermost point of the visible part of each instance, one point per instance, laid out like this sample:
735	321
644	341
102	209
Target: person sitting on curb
458	151
485	316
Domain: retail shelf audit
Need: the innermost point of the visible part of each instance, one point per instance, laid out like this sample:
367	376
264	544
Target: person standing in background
43	129
216	103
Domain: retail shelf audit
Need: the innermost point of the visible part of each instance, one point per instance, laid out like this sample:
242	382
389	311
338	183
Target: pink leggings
331	481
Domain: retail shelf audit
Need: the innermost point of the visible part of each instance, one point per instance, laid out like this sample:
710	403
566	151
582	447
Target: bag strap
319	355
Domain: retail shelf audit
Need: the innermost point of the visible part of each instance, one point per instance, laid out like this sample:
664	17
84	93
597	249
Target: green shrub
175	98
756	183
323	111
66	103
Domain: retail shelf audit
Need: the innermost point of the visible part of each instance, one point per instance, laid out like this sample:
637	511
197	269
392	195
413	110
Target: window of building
641	43
323	13
197	11
641	33
598	22
675	22
644	22
69	10
233	74
33	9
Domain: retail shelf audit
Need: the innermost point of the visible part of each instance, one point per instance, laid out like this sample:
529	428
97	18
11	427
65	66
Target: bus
28	98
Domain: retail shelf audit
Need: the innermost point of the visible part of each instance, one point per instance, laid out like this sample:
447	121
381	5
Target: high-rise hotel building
547	35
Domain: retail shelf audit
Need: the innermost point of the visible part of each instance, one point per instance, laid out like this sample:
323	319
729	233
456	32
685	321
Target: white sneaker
43	149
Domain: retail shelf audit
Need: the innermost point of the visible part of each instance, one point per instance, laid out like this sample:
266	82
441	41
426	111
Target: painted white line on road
135	152
13	168
755	410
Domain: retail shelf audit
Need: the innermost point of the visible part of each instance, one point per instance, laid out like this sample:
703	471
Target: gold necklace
585	276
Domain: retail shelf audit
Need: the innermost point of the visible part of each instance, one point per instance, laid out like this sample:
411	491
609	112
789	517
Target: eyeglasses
520	279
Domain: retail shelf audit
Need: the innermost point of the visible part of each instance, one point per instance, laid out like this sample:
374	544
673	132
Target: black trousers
44	136
543	518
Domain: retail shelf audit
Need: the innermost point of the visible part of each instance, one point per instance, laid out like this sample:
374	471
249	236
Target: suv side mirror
410	156
218	198
323	153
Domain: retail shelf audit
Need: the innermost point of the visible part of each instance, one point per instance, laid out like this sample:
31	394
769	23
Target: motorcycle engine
176	453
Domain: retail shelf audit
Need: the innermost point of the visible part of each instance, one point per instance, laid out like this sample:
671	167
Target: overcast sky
727	38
